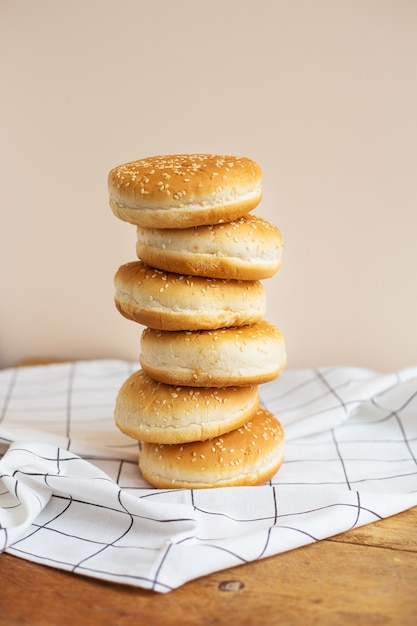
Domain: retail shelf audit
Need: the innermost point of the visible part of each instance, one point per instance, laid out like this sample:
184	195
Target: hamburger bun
249	455
168	301
248	248
183	190
235	356
151	411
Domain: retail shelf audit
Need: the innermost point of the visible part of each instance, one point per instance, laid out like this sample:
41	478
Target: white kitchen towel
72	497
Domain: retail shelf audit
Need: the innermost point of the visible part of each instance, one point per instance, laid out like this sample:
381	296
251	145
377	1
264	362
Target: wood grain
362	577
398	532
366	576
336	582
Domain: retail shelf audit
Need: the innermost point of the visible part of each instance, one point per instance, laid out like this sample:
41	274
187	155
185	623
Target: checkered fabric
72	497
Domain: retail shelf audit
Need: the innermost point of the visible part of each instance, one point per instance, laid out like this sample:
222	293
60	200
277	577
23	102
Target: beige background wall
323	94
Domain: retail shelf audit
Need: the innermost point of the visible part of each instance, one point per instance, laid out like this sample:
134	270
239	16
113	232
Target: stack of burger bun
196	287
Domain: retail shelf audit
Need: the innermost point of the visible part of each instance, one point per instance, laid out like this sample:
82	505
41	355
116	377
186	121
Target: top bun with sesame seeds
248	248
247	456
147	410
170	301
184	190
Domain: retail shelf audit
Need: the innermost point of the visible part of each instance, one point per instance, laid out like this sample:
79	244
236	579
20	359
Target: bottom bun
248	355
247	456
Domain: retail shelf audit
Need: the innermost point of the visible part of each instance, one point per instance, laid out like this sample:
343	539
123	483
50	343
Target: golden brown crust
249	355
249	248
170	301
184	190
150	411
249	455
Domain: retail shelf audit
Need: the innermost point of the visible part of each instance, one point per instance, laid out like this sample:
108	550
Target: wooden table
364	576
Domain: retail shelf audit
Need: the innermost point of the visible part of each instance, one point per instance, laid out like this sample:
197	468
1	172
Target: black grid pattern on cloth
351	459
